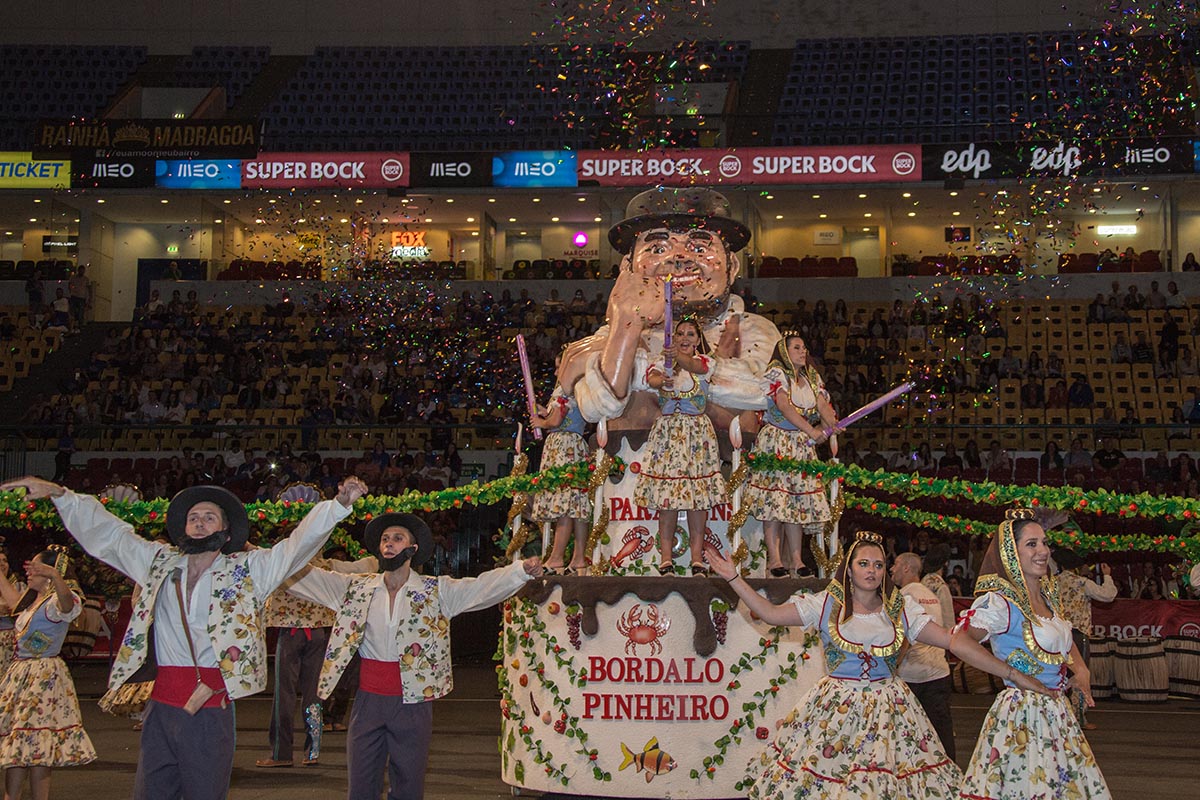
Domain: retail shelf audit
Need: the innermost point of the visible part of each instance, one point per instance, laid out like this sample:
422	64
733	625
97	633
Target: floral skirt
562	447
128	699
8	649
40	725
681	466
1031	747
785	496
851	739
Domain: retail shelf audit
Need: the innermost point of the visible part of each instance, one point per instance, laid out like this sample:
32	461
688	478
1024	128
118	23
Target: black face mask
208	544
397	561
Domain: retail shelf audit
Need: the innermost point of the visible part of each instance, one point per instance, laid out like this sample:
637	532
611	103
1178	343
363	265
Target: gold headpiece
62	557
790	334
869	537
1019	514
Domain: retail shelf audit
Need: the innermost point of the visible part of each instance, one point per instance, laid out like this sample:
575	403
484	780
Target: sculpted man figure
687	234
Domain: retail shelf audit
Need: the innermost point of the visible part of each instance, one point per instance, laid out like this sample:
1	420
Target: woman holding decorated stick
798	410
568	508
681	468
1031	744
859	732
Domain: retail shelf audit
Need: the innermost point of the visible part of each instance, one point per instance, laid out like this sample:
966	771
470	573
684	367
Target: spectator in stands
1174	298
1133	300
152	410
1107	456
923	458
1051	458
997	460
1143	352
1058	396
1186	365
1120	352
1183	469
877	327
1034	367
1191	408
66	449
1189	263
1154	298
1114	311
858	324
1032	393
60	312
35	292
1078	457
902	460
1107	425
821	313
840	316
950	458
1129	422
873	459
79	289
1009	366
1147	585
1080	394
1158	468
971	457
1098	310
1168	342
1180	429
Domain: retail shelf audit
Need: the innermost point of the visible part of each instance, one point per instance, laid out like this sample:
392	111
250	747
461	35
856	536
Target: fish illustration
653	760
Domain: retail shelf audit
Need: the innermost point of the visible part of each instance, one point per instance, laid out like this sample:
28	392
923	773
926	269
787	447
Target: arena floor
1146	753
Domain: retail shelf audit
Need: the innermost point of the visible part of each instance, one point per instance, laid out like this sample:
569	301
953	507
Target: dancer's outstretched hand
35	488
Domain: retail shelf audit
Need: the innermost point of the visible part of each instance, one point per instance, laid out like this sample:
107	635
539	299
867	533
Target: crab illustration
632	627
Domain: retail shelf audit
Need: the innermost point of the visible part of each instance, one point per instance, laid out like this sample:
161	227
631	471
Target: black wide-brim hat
412	523
1067	559
227	501
705	209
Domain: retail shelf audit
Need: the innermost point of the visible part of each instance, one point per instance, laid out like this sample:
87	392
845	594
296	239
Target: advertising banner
372	170
534	168
1126	619
451	169
753	165
198	174
20	171
154	138
982	160
112	173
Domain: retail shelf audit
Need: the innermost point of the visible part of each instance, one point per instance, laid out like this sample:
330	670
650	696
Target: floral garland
1069	536
525	636
1065	498
268	519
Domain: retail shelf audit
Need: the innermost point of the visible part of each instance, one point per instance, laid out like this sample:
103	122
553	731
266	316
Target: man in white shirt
205	595
399	622
924	668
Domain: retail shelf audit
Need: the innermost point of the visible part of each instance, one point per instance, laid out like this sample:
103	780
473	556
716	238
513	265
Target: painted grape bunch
573	623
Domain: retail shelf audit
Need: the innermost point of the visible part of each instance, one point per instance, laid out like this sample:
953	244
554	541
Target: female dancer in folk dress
859	732
1031	744
40	724
681	468
790	503
8	636
569	509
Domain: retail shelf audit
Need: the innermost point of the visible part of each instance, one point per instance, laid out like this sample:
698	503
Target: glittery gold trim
736	478
893	607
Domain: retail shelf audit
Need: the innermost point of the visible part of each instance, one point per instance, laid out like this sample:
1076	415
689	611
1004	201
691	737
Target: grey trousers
386	730
934	697
185	757
299	653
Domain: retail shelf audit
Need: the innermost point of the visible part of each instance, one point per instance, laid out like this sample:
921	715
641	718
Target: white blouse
870	630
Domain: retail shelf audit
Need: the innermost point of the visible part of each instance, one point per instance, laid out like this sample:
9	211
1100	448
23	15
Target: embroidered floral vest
423	636
234	624
1020	647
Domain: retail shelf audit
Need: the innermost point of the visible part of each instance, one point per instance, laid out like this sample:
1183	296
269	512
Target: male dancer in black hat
399	622
205	596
